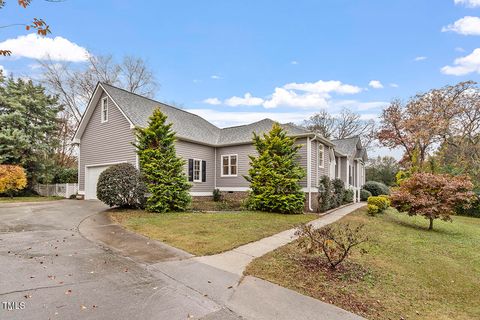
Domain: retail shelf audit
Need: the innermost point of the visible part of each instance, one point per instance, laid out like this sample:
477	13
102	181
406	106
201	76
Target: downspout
215	168
309	172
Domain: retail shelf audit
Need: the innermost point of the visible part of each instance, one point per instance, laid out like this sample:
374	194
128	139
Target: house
215	157
350	158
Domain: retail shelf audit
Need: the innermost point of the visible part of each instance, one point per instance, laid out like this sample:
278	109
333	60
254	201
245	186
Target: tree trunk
430	227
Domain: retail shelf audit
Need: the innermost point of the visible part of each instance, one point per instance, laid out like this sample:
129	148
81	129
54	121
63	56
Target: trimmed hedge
376	188
365	194
121	185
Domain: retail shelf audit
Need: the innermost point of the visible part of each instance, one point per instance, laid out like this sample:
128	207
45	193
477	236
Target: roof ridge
159	102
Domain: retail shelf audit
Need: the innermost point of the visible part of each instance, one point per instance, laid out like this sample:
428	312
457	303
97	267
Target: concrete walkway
236	260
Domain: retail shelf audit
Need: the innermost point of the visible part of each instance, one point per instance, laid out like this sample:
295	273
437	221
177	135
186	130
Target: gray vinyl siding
189	150
243	164
107	142
343	171
302	158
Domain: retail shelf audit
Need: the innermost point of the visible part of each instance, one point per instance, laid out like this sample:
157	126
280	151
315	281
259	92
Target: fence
64	190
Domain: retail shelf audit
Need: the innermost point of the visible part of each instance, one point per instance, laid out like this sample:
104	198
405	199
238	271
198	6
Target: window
229	165
197	170
104	110
321	155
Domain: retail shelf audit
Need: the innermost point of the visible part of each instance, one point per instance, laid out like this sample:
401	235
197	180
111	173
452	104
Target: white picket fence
64	190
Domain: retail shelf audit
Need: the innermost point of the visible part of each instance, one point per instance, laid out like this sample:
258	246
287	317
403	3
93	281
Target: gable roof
187	126
351	147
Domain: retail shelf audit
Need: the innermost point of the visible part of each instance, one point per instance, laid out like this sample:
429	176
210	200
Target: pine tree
28	126
274	174
162	169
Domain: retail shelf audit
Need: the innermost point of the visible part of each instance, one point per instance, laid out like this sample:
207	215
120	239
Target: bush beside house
121	185
376	188
162	169
364	195
274	174
12	179
332	194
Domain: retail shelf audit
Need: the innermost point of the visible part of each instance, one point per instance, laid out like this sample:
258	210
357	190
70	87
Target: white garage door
91	179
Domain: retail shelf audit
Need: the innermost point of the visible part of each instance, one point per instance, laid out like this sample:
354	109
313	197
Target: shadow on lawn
416	225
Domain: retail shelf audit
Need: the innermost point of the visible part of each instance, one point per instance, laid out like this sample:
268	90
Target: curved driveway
46	263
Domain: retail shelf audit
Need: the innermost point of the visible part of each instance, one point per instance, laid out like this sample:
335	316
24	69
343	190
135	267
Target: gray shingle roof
188	125
351	147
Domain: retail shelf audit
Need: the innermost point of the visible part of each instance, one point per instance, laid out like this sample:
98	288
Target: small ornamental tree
274	174
434	196
12	179
162	170
121	185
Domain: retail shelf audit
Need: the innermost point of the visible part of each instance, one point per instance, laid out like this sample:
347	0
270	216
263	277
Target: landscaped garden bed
406	272
207	233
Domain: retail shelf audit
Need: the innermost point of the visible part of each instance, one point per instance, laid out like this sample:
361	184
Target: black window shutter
204	170
190	169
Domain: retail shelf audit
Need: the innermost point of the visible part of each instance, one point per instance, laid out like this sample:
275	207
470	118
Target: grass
28	199
411	273
207	233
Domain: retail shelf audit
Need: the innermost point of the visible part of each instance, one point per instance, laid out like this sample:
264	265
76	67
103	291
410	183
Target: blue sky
291	58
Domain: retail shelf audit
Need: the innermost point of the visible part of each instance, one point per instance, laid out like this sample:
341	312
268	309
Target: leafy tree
434	196
430	118
121	185
12	179
28	126
162	169
274	174
382	169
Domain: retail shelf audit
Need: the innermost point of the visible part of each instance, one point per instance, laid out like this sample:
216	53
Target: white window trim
229	165
321	163
199	171
104	106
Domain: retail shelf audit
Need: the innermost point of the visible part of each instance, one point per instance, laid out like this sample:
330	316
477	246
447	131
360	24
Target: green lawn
28	199
207	233
408	272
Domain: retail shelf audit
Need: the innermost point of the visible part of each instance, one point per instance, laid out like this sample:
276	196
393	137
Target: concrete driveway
66	260
58	274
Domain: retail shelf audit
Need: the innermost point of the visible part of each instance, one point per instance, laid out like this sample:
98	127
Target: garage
91	178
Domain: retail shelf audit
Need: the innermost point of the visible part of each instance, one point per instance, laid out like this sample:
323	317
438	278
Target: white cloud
420	58
212	101
294	62
357	105
464	65
466	26
215	77
393	85
289	98
375	84
246	100
324	87
459	49
36	47
469	3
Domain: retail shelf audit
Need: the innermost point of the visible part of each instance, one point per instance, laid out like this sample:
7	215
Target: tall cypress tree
274	174
162	169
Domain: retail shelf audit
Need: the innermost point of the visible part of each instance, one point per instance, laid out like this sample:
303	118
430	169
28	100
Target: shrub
121	185
365	194
65	175
12	179
373	209
387	199
162	169
334	241
381	202
275	173
473	211
338	197
217	195
348	196
434	196
325	194
376	188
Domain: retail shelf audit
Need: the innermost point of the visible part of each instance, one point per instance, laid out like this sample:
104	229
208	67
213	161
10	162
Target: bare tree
75	86
323	123
344	125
